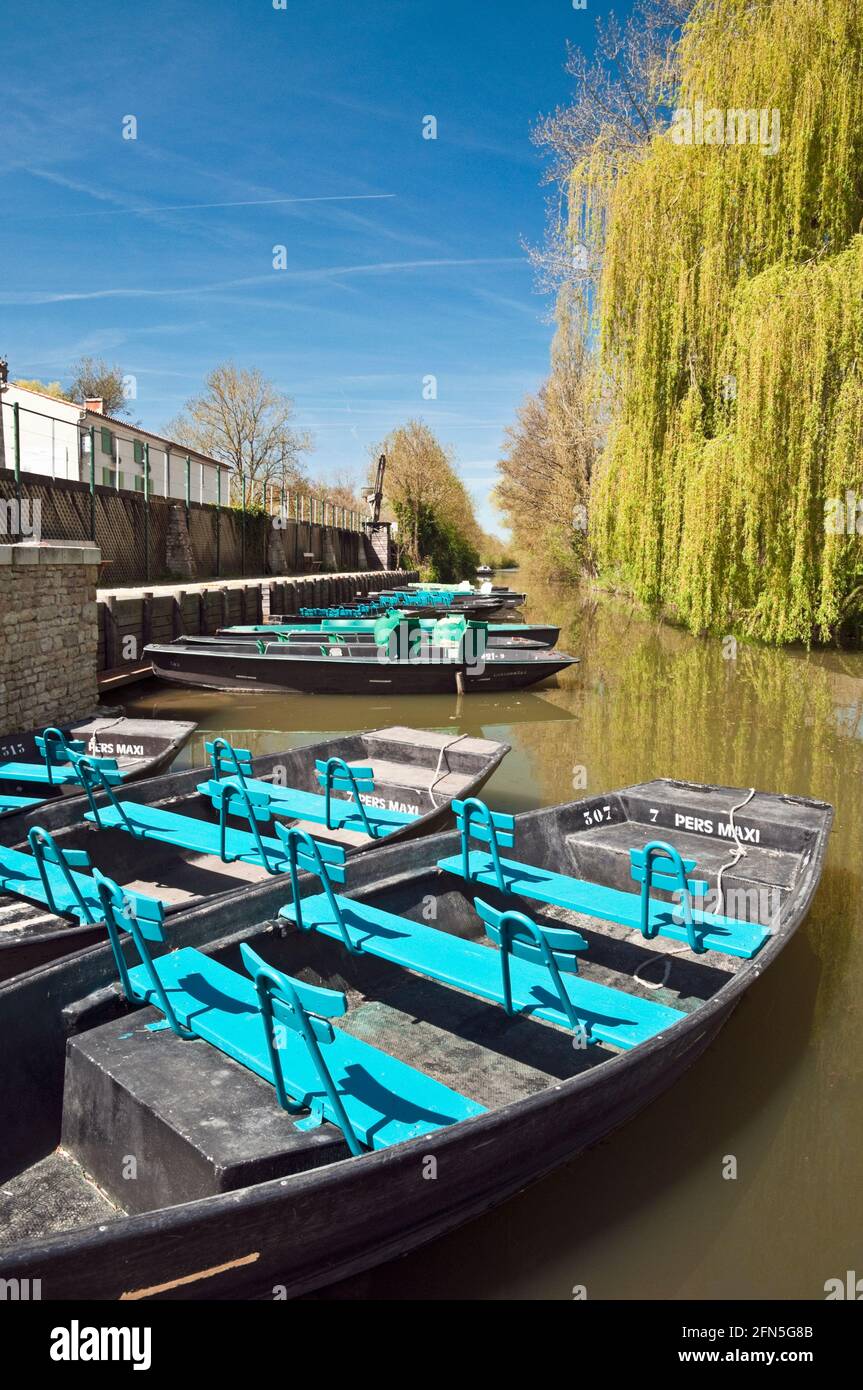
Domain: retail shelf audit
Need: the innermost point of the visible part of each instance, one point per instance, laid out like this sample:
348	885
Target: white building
54	438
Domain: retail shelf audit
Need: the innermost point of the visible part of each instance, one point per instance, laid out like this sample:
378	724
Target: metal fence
66	449
65	480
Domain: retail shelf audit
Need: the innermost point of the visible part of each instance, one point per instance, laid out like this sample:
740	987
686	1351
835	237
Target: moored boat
30	775
173	851
338	667
363	629
443	1051
502	593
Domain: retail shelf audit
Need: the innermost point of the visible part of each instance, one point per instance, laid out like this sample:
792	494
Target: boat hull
219	669
143	748
499	634
338	1221
292	1235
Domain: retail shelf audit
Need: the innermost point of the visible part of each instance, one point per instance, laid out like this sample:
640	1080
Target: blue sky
404	255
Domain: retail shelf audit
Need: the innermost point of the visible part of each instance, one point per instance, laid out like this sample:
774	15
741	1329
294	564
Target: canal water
651	1212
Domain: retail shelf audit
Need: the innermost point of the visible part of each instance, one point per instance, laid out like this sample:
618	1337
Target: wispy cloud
34	297
123	208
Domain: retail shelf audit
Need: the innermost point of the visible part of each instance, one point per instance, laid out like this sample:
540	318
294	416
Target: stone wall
49	634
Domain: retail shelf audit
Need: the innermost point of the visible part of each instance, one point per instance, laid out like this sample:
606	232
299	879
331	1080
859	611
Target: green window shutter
107	477
121	480
139	451
139	484
107	441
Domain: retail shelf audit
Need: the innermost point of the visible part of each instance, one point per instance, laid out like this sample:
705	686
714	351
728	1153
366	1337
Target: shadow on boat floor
200	1123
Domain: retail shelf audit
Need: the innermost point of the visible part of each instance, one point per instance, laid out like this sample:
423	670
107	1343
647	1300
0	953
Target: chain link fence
62	480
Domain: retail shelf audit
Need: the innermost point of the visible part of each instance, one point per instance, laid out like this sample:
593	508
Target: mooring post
146	619
112	639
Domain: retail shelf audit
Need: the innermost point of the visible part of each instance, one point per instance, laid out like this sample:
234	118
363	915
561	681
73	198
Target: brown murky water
648	1213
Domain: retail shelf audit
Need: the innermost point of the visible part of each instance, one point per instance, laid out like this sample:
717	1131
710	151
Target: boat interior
139	747
414	773
201	1123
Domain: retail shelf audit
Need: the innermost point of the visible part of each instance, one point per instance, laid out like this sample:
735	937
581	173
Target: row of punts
399	651
247	1008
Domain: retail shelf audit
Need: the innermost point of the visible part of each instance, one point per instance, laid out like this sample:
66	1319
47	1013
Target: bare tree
548	459
620	100
343	490
243	419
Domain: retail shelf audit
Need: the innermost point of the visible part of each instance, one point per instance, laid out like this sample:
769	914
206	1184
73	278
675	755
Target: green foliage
498	558
731	320
445	554
437	529
45	388
548	458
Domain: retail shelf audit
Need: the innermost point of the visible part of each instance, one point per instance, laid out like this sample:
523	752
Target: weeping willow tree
730	310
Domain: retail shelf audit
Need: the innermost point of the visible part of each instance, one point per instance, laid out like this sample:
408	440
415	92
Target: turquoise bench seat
299	805
185	832
233	768
61	756
278	1027
20	874
609	1015
386	1100
39	772
18	803
49	876
146	822
724	934
658	865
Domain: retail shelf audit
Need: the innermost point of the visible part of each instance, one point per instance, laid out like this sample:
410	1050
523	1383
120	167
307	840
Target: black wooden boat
501	593
140	747
416	772
231	1199
342	669
477	607
362	631
471	604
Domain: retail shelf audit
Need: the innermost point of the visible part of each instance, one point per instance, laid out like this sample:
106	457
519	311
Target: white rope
418	791
103	725
739	852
